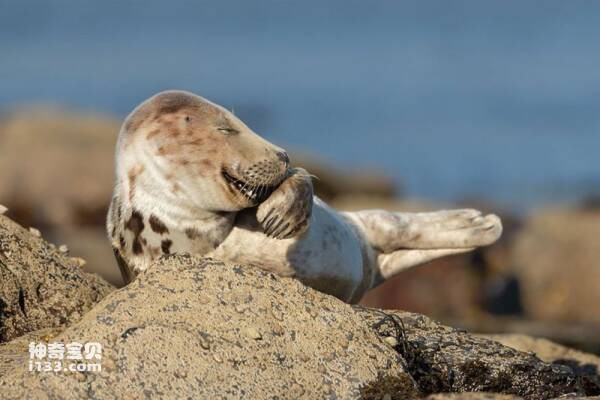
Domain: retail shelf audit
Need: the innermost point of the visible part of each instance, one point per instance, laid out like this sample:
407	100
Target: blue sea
454	99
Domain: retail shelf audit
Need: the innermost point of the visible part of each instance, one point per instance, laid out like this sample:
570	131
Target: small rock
203	299
391	341
3	209
253	333
35	232
241	308
63	248
278	329
80	262
278	315
297	390
204	343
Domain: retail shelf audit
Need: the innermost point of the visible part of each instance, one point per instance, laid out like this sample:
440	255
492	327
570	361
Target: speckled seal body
193	178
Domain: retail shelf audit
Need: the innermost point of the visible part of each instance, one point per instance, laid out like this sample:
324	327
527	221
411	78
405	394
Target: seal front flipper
286	212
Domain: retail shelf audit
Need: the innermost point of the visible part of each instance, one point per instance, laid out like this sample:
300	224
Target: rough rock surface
584	364
545	349
192	327
443	359
39	287
490	396
472	396
556	262
16	352
198	328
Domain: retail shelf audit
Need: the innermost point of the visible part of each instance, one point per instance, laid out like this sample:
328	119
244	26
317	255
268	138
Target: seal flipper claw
286	213
266	218
269	223
279	233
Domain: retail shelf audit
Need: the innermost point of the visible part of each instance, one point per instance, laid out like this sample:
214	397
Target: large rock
331	182
57	167
586	365
472	396
194	328
557	262
91	244
547	350
443	359
57	175
490	396
198	328
40	287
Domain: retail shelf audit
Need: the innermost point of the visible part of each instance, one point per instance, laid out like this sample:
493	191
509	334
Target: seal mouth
255	193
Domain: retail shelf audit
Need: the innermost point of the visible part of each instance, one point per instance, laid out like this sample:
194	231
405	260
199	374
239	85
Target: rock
556	260
158	338
16	352
546	349
584	364
447	287
35	232
65	193
489	396
56	166
368	201
472	396
92	245
443	359
331	182
179	331
39	287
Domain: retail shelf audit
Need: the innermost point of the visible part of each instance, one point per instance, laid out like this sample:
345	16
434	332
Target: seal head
185	167
201	151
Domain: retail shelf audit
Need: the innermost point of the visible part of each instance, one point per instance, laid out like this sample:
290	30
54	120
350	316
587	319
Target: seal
193	178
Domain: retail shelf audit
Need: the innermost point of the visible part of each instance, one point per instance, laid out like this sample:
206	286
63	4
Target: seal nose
282	155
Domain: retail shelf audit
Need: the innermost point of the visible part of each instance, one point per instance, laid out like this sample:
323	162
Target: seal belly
327	256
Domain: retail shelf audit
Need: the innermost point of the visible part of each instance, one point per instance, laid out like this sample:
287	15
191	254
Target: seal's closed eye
228	131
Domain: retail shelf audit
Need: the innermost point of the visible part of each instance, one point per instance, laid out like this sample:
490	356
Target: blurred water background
454	99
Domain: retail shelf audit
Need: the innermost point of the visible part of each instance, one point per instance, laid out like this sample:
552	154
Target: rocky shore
192	327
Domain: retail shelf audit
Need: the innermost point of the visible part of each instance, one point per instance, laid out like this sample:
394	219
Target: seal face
192	178
211	150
